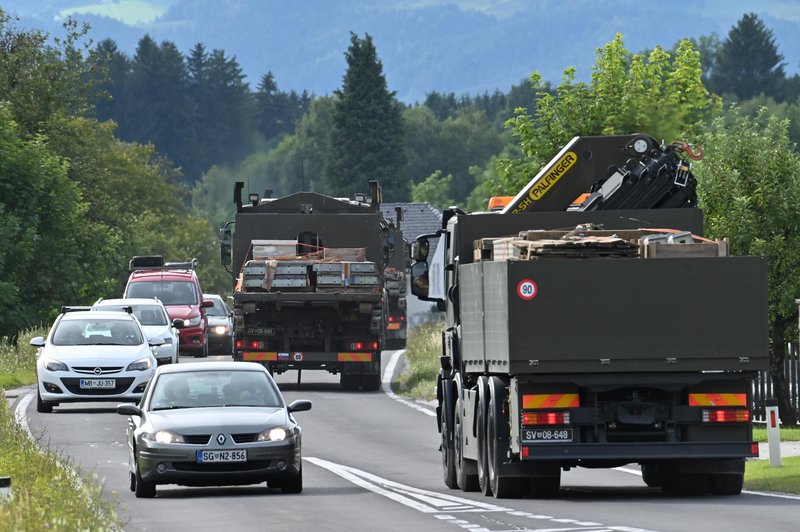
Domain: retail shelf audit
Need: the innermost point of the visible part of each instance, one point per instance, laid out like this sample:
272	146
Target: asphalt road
371	462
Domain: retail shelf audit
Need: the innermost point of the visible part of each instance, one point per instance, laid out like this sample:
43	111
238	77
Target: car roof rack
156	262
74	308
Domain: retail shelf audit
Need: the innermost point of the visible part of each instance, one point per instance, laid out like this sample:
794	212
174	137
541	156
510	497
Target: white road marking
442	506
386	383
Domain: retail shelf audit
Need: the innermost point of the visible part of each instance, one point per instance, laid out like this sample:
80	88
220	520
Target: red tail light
239	344
256	344
737	415
362	345
391	319
545	418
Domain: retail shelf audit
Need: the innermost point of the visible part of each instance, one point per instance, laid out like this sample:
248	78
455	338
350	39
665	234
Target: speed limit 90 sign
527	289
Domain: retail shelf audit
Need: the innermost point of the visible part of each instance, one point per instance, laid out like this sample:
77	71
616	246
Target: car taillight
545	418
239	344
729	415
255	344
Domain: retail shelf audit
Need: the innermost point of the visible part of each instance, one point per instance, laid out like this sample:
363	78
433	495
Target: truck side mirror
419	280
225	245
420	249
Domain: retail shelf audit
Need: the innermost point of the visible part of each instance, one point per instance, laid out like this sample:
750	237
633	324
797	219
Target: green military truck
308	283
590	324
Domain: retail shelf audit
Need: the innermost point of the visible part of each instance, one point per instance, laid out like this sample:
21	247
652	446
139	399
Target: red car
176	285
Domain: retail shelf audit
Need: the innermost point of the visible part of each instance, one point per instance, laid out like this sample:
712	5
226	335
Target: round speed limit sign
527	289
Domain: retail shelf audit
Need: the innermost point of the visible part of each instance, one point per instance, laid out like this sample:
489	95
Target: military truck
395	276
308	283
589	323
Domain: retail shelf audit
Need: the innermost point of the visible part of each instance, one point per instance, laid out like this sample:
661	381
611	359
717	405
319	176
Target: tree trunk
777	365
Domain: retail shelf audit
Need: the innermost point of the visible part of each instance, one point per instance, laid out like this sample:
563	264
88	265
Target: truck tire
545	479
348	381
497	444
726	483
651	475
448	456
371	382
466	471
483	470
545	487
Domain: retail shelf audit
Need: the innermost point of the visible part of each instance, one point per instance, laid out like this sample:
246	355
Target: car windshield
168	292
146	314
219	308
202	389
89	331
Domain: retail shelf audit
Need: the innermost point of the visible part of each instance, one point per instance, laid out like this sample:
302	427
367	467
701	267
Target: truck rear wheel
483	473
726	483
466	474
448	456
651	475
497	444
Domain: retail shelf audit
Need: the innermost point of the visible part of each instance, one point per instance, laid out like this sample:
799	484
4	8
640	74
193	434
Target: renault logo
221	439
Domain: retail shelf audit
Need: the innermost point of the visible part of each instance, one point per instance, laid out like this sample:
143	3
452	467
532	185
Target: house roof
418	218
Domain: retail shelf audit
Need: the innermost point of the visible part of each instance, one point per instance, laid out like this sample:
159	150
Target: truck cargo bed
615	315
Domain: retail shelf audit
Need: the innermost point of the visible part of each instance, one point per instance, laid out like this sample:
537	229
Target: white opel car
93	356
155	322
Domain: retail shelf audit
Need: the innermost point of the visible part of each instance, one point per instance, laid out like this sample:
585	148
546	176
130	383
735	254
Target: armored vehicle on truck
308	275
589	323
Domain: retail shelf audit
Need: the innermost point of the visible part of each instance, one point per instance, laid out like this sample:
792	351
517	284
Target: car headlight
192	322
163	436
51	364
168	340
220	329
140	365
274	434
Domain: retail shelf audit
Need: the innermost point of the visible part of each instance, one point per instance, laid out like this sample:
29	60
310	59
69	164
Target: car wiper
171	407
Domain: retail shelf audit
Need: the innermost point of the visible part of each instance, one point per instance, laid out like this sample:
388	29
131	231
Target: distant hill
466	47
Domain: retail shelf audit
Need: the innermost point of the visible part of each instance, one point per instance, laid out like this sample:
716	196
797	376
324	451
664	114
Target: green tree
749	188
367	137
660	95
433	190
452	145
748	63
41	215
109	94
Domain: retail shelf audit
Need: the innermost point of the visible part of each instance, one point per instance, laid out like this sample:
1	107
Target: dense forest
106	156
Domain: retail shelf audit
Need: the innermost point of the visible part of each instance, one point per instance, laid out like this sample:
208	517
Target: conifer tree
367	136
748	63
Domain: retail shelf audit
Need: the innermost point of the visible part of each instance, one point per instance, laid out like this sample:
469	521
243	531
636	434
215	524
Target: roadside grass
423	348
787	434
45	494
759	475
18	359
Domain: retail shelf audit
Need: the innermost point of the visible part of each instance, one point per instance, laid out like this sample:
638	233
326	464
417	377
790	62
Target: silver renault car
213	424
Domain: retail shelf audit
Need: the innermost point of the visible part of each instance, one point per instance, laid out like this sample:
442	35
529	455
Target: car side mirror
300	405
177	323
37	341
419	280
129	410
420	249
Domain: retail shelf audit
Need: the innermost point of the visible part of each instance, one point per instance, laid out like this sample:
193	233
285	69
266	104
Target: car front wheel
295	484
142	489
42	407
